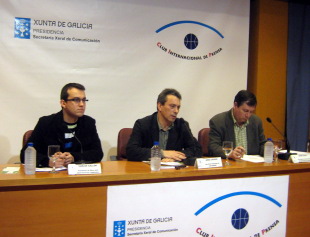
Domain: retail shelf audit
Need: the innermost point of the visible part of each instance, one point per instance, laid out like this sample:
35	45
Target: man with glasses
175	139
240	126
75	132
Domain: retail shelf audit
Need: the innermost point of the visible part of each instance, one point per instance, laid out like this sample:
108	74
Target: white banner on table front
226	207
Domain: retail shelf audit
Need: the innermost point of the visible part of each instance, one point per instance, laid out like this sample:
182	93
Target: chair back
26	137
203	139
122	140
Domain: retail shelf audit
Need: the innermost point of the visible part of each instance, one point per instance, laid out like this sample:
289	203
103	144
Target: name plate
203	163
74	169
300	158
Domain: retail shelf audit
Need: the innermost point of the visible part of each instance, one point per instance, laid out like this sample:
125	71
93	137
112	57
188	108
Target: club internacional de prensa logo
240	217
22	28
191	41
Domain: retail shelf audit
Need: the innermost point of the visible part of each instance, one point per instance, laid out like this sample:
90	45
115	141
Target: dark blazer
50	130
146	131
222	129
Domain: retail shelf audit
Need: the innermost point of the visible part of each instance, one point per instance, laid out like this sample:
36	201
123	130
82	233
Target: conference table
59	204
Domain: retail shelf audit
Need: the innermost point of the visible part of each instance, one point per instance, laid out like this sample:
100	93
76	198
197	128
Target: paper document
297	152
10	170
167	165
253	158
47	169
172	163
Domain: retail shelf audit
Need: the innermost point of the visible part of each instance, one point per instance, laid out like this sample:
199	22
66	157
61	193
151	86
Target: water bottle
155	150
155	157
268	151
30	159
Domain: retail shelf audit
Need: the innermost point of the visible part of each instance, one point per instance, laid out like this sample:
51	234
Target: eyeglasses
78	100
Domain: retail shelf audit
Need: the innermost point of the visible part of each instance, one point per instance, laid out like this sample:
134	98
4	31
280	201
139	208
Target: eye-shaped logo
192	40
240	217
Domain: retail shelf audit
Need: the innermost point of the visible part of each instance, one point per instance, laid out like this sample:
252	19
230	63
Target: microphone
189	160
282	156
78	140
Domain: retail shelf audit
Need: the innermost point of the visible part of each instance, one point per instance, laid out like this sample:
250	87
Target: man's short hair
162	97
64	91
247	97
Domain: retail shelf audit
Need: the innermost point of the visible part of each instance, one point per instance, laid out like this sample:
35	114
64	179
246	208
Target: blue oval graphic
237	194
189	22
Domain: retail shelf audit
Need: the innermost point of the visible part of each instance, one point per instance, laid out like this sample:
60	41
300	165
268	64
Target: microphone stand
190	160
287	154
80	161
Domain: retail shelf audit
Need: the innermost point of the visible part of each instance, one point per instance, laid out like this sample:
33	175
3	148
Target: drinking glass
227	148
278	145
51	151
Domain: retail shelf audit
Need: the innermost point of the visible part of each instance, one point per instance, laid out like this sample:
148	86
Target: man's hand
59	162
67	157
63	159
237	153
175	155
